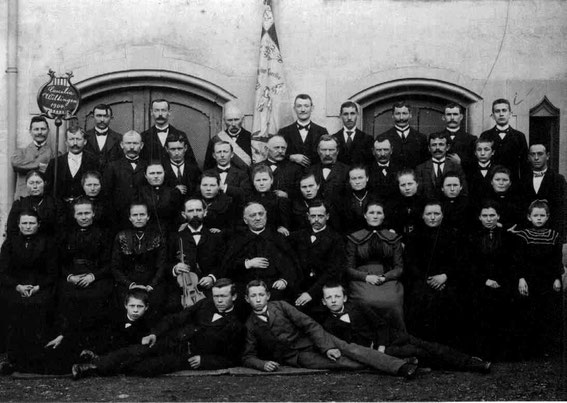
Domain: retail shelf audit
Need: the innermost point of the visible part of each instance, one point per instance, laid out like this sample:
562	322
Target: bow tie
538	174
195	232
162	130
101	133
328	166
300	127
223	170
263	316
133	160
498	131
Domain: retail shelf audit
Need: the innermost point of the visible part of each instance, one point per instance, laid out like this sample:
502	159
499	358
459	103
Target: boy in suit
207	335
278	333
357	324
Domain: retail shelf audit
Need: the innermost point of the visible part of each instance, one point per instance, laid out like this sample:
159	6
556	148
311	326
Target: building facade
200	54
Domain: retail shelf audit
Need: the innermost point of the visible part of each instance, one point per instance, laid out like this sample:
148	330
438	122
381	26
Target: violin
188	283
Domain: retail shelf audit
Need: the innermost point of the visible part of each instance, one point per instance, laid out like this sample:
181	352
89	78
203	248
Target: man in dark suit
333	175
203	249
461	143
207	335
277	333
154	138
479	174
233	181
409	147
179	173
383	171
238	137
123	177
259	253
355	146
70	168
303	135
286	173
321	255
510	146
102	141
430	173
545	184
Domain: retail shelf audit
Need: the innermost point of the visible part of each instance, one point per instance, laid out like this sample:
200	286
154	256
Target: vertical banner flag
271	106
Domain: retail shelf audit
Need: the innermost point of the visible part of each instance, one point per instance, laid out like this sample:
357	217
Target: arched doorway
196	104
427	98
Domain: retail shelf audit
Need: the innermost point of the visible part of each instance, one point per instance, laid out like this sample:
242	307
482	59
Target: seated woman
163	201
50	211
92	186
356	200
432	266
278	208
504	193
374	265
223	212
490	249
406	208
86	284
139	259
28	271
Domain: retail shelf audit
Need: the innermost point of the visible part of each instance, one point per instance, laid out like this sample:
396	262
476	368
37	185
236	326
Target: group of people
339	251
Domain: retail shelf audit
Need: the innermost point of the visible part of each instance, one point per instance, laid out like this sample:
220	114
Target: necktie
539	174
349	139
133	162
403	133
178	169
438	167
384	169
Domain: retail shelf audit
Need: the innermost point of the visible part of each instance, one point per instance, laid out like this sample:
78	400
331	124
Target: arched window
544	129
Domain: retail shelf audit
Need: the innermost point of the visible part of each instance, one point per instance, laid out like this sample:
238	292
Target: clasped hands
27	290
81	280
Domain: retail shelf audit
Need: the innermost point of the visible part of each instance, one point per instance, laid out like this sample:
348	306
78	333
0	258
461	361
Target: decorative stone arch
431	95
97	85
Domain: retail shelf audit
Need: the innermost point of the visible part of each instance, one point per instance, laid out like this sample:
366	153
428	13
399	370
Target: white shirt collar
315	231
258	232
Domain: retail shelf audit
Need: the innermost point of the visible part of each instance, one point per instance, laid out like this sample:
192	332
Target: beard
195	222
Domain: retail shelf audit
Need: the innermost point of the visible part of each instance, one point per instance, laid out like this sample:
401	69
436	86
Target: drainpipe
12	104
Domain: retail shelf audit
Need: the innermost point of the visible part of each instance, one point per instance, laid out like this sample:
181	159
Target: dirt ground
531	380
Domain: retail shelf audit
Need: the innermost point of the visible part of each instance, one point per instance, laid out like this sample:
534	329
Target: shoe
79	371
408	371
477	364
412	360
6	368
87	356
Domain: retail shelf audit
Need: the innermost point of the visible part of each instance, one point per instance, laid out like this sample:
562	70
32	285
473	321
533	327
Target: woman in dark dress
356	200
374	265
28	272
504	193
92	186
490	249
223	212
50	211
277	208
404	211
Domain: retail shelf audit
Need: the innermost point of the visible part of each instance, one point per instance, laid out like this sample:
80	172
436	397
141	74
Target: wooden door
199	118
426	115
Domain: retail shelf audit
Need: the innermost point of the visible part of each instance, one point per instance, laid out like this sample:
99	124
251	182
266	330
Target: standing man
70	167
233	181
123	177
409	147
383	171
35	156
333	175
239	138
303	135
286	173
544	184
430	173
154	138
355	146
179	173
461	143
510	146
103	142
